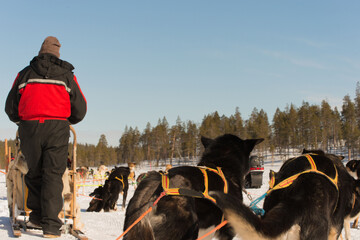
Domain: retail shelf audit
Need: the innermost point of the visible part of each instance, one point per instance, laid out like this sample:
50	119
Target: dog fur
141	177
181	217
106	196
311	204
353	167
132	171
145	174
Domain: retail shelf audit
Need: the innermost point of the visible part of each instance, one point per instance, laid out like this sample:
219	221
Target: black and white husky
314	206
223	166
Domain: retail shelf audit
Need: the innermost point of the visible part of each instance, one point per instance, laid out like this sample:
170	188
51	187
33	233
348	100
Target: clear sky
138	61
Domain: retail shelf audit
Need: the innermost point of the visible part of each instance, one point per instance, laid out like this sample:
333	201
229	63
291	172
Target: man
44	99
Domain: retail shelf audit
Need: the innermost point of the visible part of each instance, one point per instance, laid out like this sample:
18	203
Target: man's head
51	45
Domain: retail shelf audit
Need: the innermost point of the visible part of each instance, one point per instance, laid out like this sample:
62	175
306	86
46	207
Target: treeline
307	126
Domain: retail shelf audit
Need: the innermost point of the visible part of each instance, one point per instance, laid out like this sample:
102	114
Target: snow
109	225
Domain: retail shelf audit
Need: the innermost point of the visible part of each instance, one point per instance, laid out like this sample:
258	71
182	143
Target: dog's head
228	151
132	166
97	192
352	165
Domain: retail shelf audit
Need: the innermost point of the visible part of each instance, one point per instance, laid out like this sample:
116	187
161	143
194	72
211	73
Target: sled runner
17	194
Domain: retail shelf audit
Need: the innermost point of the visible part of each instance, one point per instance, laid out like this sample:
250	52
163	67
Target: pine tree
146	140
258	126
326	124
281	130
292	116
101	149
304	123
349	124
211	126
191	140
239	128
176	132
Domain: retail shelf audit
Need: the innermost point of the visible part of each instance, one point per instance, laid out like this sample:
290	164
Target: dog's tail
145	194
249	226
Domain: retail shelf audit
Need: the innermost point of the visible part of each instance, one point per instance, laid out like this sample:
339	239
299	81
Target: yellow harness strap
165	186
192	193
121	180
221	174
288	181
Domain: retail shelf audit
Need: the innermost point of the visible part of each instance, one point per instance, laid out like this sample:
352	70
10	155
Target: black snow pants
45	147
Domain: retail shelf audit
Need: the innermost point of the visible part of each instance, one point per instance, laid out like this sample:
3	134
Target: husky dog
106	196
322	195
223	166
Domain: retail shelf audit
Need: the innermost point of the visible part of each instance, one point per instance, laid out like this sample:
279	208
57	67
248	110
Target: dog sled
16	169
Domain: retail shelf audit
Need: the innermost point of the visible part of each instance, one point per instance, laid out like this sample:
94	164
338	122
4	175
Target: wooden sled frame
16	225
74	230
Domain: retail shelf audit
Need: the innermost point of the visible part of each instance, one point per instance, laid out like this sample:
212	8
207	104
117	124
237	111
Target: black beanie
51	45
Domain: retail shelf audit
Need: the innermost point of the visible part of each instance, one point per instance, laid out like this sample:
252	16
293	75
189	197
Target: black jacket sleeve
12	102
77	101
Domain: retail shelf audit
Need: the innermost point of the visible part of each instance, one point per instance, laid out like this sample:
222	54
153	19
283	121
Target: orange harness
193	193
288	181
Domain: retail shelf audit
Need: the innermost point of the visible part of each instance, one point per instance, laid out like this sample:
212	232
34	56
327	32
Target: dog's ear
341	157
250	143
206	141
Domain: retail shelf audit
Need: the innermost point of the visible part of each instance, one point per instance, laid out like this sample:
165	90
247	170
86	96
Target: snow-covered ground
109	225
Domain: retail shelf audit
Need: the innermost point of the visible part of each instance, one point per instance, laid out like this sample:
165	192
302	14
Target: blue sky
138	61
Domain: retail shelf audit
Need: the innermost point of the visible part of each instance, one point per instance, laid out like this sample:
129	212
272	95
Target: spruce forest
291	129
